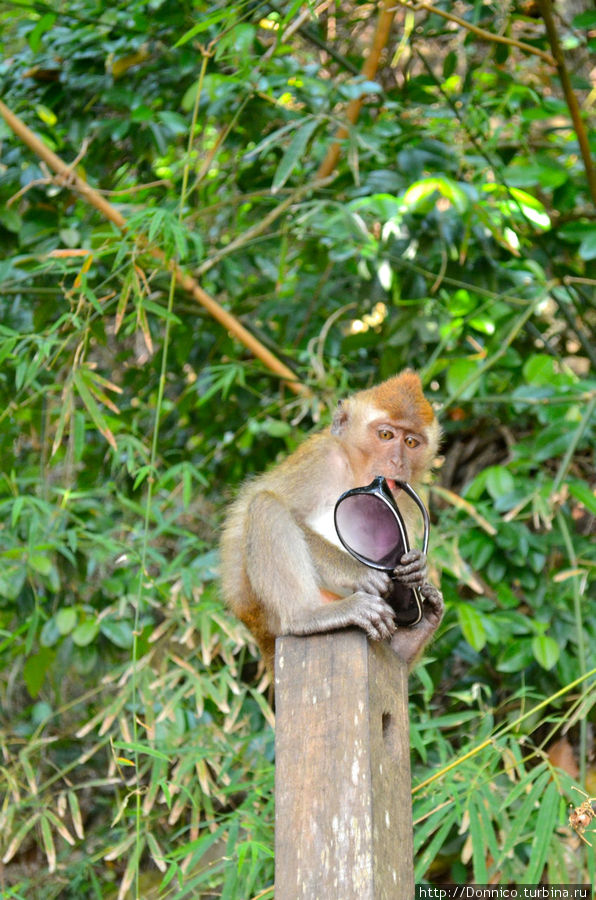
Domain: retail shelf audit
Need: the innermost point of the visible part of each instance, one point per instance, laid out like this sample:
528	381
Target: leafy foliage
458	237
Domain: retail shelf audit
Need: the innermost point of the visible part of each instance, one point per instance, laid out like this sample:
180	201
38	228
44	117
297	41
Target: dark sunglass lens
369	528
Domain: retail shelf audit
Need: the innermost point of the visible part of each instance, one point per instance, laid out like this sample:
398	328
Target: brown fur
401	397
281	567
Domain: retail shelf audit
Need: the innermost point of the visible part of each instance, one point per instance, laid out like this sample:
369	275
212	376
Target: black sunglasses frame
379	488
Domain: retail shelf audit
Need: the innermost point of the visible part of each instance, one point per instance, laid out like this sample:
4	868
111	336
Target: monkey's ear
340	418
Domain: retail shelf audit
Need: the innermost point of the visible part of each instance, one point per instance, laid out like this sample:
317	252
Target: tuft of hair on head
401	397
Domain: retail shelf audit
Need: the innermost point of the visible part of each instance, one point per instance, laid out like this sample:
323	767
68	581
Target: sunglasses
372	529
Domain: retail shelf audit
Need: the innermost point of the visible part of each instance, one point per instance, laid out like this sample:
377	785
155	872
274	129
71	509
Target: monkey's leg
284	578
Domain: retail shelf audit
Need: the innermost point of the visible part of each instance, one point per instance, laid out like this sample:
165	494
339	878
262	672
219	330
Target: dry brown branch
369	70
229	322
546	11
481	32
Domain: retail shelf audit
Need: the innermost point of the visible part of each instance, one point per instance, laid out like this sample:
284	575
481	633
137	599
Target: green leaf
420	196
449	64
85	633
539	369
40	563
531	802
472	626
66	620
585	19
460	370
552	442
546	650
144	749
517	656
92	408
36	668
47	115
543	833
10	219
276	428
50	634
118	631
587	248
447	821
206	22
477	548
293	154
44	24
582	492
499	481
17	506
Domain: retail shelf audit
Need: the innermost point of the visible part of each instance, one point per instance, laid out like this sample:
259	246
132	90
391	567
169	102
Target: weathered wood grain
343	803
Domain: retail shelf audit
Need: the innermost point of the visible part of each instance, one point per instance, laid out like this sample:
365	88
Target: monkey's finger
379	631
412	569
412	556
376	582
374	616
376	630
410	576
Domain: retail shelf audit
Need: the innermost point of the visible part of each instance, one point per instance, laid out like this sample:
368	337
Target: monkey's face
388	430
394	450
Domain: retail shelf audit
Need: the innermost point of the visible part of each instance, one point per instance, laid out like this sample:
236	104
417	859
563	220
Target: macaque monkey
284	570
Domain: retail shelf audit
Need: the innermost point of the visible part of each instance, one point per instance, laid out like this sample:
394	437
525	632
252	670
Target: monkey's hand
372	614
340	573
410	642
434	607
371	581
366	611
412	569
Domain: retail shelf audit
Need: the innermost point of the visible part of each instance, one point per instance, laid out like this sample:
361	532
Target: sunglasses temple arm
412	493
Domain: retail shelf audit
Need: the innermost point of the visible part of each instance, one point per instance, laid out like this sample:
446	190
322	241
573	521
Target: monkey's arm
341	573
284	578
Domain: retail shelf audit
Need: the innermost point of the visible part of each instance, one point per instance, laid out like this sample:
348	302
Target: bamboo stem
369	70
186	281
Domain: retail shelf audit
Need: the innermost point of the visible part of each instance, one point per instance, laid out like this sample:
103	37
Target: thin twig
259	227
480	32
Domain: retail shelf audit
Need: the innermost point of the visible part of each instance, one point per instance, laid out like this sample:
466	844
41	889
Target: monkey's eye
385	434
411	442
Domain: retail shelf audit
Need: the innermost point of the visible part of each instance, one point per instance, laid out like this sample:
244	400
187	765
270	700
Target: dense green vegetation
457	236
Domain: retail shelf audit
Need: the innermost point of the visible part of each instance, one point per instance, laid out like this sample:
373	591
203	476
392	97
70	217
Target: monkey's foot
410	642
434	606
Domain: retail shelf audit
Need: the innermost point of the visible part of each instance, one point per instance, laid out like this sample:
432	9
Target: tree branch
229	322
546	11
481	32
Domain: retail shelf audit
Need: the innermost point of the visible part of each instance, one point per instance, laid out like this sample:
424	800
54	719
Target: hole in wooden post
389	736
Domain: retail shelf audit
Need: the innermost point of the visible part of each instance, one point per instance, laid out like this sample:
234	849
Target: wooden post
342	777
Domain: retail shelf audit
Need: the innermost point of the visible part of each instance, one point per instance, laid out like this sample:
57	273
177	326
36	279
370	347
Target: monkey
283	568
